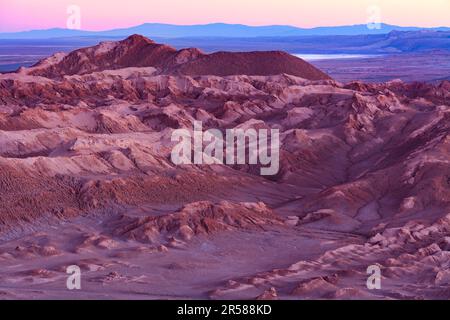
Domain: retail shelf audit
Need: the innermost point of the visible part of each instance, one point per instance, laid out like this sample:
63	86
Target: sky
21	15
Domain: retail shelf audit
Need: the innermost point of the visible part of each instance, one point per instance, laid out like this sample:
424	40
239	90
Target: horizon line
225	23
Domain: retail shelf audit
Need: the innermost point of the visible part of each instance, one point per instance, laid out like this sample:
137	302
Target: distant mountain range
159	30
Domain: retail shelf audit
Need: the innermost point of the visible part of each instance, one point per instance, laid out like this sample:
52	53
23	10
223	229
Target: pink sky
18	15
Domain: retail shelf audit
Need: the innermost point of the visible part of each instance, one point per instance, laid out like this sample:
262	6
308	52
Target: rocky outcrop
138	51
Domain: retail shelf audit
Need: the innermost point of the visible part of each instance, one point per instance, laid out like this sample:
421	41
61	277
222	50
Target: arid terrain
86	179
